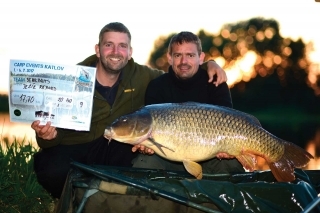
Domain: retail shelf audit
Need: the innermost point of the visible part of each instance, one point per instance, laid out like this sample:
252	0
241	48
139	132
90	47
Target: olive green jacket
130	97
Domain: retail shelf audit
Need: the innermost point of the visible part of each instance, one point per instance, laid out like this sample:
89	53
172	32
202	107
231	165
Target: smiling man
186	81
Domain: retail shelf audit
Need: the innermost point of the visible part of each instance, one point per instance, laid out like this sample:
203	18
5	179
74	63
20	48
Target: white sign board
62	94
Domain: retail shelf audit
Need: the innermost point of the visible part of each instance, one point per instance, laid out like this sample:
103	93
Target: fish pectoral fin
248	161
193	168
159	146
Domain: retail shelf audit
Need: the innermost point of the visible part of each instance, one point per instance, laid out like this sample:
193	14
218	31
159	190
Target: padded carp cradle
135	190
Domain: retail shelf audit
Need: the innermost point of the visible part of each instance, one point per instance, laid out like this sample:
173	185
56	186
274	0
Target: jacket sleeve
42	143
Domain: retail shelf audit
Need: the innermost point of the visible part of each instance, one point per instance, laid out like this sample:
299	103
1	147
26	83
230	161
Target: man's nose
183	59
115	49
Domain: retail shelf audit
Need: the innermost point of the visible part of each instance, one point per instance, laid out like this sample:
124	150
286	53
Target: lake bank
13	130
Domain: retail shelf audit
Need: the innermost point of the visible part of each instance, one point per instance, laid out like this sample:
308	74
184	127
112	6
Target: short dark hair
114	27
187	37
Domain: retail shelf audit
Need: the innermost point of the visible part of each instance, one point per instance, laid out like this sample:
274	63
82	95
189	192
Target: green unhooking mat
118	189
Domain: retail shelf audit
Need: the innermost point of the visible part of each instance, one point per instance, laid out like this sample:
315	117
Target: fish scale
218	123
191	132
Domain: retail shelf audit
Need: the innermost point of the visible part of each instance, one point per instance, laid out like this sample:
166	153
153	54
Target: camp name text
27	67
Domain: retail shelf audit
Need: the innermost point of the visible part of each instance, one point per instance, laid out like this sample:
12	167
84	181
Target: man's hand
215	69
142	149
46	132
221	155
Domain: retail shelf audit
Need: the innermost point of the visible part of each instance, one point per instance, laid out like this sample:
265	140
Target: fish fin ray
248	161
293	157
159	146
193	168
282	172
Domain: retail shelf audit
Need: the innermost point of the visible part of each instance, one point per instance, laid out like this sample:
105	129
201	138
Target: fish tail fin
293	157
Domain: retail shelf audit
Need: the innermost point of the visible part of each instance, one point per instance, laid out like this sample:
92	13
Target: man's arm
214	69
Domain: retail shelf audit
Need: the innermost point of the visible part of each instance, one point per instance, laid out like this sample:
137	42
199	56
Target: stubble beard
112	69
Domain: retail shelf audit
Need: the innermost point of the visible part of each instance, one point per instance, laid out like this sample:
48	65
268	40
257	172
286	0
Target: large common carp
191	132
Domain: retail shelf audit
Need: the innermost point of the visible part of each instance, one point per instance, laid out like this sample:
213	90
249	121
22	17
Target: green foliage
19	189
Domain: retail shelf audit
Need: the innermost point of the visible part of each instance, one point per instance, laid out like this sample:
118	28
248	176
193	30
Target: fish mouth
108	133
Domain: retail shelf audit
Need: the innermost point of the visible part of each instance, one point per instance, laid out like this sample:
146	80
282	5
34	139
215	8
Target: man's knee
51	173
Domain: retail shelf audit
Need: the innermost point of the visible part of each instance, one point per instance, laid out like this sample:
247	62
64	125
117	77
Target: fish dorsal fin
248	161
193	168
159	146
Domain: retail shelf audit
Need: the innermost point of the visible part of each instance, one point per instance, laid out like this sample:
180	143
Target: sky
65	32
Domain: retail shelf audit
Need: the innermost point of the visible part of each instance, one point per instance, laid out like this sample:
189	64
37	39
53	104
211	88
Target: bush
19	189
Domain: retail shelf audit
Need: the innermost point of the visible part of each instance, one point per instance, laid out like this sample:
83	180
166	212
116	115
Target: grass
19	189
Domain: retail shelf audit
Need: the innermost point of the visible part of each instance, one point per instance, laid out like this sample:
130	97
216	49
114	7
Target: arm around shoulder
213	69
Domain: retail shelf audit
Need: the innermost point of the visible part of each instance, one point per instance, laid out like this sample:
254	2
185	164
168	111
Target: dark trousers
52	165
